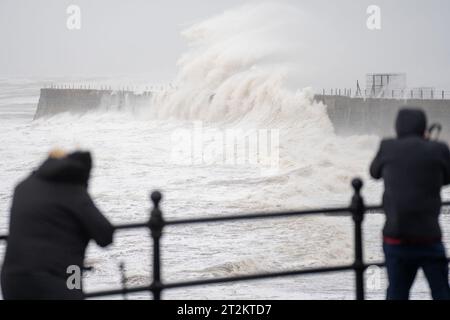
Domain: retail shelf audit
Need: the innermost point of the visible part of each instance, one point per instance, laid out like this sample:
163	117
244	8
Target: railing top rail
253	216
261	216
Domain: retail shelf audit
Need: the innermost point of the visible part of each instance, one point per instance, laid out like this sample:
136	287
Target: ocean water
223	85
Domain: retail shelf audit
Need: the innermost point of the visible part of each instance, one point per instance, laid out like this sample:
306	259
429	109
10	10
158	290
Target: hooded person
414	171
52	220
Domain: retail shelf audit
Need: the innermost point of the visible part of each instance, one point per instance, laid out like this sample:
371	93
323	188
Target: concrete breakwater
376	116
79	101
348	115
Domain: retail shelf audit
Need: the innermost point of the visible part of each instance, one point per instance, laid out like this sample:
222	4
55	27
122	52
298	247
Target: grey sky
142	38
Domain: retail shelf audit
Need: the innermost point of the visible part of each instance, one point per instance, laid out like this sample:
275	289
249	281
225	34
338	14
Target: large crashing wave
238	66
239	71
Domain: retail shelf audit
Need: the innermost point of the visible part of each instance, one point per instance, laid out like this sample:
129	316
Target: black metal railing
157	224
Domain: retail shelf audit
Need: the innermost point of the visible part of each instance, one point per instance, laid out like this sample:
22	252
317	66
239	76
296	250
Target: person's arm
94	222
376	168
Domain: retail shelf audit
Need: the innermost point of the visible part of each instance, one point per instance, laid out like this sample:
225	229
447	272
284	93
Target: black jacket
52	221
414	171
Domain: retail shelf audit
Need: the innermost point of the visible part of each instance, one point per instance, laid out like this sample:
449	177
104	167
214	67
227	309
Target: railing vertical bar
358	209
156	226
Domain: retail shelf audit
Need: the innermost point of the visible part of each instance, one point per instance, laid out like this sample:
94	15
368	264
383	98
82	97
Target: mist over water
239	73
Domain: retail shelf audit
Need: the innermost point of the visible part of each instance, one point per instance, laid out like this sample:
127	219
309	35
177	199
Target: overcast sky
142	38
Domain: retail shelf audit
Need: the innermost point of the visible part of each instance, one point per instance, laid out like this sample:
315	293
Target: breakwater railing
398	94
108	87
157	224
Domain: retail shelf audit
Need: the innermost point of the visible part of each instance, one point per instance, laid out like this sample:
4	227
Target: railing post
358	210
123	279
156	226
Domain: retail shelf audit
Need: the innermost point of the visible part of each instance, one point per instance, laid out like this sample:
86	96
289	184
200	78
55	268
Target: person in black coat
52	220
414	170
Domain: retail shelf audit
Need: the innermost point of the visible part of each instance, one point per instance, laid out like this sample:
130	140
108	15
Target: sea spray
238	66
238	74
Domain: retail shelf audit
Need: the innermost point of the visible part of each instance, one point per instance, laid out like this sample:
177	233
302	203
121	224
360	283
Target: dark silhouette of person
52	221
414	170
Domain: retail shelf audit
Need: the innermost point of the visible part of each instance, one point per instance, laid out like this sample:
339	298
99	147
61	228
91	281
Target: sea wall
348	115
377	116
78	101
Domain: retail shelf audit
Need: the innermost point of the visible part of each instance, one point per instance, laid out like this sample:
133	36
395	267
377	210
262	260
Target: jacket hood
411	122
74	168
